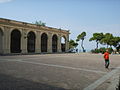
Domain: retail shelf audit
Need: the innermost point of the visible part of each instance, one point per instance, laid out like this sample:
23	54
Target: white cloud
5	1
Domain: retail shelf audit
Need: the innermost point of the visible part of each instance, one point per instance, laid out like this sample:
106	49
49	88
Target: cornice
18	24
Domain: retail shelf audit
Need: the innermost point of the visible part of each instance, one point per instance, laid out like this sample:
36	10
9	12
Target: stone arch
54	43
44	42
11	29
31	38
1	41
63	43
15	45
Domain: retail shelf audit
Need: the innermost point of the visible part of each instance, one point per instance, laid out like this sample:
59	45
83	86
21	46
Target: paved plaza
83	71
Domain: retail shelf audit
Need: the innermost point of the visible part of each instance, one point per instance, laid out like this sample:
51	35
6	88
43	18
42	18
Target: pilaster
59	44
24	41
6	40
49	43
38	43
67	43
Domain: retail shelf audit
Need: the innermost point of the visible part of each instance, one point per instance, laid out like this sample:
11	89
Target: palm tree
97	37
81	37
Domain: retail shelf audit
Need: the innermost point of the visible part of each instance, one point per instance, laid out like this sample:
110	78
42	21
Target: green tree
72	44
118	48
97	37
108	39
40	23
116	41
81	37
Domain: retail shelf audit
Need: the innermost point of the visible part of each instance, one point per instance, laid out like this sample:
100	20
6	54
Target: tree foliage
110	40
72	44
81	37
106	39
97	37
40	23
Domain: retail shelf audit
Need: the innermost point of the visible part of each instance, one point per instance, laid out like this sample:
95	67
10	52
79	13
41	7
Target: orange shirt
106	55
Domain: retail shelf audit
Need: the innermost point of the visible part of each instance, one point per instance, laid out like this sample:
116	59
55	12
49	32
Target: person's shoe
106	67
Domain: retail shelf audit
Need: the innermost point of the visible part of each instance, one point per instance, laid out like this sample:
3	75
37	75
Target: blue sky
75	15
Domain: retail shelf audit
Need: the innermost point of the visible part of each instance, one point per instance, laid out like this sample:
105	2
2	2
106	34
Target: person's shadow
112	68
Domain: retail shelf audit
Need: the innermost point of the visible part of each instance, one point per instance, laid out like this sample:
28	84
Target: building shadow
12	83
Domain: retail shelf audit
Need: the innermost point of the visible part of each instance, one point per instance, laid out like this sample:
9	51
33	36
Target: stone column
38	43
67	43
24	41
6	40
49	43
59	44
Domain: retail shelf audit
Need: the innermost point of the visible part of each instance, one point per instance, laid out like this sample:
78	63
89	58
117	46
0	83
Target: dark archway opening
31	42
54	43
44	39
15	45
1	41
63	44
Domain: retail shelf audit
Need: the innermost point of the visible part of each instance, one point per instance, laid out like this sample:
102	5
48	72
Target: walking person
106	57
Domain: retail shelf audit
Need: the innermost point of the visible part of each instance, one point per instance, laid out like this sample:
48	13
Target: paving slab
55	71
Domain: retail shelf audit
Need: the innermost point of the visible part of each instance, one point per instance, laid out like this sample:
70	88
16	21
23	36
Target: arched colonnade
29	41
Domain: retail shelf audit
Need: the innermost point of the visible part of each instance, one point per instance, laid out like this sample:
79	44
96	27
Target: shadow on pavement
112	68
11	83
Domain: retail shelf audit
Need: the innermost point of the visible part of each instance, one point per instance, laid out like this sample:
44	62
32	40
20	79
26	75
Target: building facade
22	37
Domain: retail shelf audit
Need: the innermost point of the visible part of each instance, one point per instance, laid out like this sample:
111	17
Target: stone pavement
58	72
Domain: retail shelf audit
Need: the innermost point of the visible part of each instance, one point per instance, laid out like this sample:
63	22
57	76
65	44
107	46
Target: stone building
22	37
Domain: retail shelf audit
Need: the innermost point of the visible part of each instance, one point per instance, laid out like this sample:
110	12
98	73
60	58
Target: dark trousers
107	62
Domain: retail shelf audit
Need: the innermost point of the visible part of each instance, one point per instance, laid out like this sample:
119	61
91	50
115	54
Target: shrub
95	51
101	50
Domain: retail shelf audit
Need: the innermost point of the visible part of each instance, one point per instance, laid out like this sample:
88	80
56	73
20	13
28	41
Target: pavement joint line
61	66
102	79
10	59
114	82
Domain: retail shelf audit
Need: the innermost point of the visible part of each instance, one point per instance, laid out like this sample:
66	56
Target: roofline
32	24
